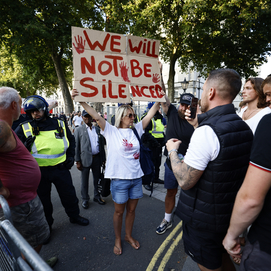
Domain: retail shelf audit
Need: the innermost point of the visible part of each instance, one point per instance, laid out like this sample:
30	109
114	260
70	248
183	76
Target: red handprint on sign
80	46
155	78
124	71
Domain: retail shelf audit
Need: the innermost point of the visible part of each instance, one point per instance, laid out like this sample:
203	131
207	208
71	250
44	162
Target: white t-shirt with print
123	150
204	147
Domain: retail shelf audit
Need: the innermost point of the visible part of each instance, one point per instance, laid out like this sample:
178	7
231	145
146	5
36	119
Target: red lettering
152	91
85	64
142	91
96	43
146	69
135	48
144	46
135	66
109	69
158	89
85	94
104	90
113	42
136	91
110	94
122	90
151	54
153	49
115	64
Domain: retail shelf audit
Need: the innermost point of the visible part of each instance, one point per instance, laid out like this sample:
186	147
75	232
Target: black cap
186	98
84	113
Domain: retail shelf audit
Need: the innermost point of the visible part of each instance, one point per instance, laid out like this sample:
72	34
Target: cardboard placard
108	67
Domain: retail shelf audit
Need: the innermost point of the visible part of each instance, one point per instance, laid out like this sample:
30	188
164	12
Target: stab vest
49	147
157	128
208	205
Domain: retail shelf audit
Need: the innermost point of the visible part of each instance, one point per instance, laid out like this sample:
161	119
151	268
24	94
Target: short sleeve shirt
254	121
203	148
123	151
261	158
261	148
178	128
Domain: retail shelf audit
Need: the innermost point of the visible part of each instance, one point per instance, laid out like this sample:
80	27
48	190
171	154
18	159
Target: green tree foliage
202	35
205	35
234	34
38	33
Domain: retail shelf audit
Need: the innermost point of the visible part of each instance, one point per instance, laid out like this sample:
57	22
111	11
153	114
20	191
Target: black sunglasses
130	116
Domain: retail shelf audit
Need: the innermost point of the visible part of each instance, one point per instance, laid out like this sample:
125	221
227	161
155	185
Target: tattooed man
212	171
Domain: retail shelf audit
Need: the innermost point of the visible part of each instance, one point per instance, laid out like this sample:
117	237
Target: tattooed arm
186	176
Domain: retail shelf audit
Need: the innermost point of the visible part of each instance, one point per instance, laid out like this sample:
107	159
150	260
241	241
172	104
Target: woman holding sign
122	166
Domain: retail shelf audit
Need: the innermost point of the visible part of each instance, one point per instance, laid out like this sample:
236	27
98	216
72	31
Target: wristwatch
168	155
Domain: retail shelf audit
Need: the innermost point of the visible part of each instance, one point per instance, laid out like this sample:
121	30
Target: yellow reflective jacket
49	147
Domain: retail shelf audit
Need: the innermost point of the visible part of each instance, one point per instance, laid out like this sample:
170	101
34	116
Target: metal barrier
13	246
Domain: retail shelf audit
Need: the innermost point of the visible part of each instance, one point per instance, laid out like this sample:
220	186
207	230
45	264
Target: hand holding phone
193	107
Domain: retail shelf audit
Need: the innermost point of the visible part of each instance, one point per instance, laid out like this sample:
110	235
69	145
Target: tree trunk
171	76
98	107
69	108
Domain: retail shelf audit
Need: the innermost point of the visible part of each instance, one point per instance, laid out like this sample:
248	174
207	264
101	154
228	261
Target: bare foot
117	251
134	243
117	248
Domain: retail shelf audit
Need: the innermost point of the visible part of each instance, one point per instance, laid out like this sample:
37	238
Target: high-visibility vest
157	128
49	149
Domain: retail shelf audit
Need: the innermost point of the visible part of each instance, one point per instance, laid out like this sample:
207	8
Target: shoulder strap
97	130
137	135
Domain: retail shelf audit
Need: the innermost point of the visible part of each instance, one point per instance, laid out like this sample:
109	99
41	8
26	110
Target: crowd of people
219	159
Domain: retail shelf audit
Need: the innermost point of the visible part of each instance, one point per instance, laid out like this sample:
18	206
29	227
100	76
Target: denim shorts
170	181
122	190
29	220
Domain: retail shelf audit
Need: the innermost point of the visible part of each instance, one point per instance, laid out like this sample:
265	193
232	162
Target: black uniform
177	128
155	145
59	174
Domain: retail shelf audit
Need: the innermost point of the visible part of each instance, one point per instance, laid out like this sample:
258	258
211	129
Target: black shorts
205	248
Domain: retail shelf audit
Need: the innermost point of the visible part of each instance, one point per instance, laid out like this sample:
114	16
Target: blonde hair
121	112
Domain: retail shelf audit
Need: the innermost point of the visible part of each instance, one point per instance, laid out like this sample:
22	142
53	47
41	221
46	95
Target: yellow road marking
162	247
169	252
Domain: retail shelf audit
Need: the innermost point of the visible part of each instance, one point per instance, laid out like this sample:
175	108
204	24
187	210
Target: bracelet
168	155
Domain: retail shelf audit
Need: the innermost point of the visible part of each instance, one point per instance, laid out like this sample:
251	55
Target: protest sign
108	67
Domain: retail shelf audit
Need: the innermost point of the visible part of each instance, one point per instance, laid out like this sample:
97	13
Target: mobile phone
193	107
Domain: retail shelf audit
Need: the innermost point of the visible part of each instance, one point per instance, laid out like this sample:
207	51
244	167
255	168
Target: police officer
155	141
53	146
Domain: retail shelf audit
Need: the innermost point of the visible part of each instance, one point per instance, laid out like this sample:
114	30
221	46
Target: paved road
91	247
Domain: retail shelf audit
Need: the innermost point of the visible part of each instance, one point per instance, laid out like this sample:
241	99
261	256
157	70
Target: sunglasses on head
130	116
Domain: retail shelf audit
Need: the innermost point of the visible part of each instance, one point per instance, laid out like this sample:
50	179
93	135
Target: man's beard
181	114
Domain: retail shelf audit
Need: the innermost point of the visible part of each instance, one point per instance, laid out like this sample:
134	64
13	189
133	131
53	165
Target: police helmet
36	102
150	104
131	104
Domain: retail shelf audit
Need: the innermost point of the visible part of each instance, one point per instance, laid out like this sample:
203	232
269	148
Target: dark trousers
62	180
157	157
96	170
